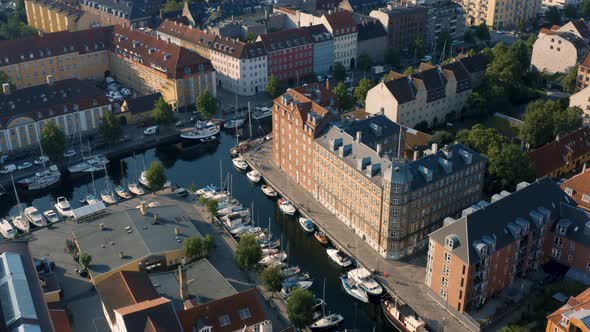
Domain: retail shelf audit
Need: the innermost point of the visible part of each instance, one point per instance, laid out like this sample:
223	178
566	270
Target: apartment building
478	255
577	188
138	60
343	28
572	316
499	14
559	4
75	106
323	49
425	96
127	13
403	25
186	36
581	99
371	38
298	117
556	51
289	54
392	204
363	7
563	155
54	16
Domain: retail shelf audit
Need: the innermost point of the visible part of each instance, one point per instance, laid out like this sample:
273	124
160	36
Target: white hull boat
143	180
229	209
91	199
261	113
207	189
42	179
21	223
240	163
307	225
287	207
202	130
338	257
239	230
364	280
268	191
34	216
267	251
6	229
122	193
254	176
108	197
233	123
63	207
287	290
135	189
272	259
353	290
327	322
90	164
51	216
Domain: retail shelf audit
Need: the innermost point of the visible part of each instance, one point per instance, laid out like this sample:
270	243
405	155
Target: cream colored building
581	99
54	16
557	51
428	95
499	14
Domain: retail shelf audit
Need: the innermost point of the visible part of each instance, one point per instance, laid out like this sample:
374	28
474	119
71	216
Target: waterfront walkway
406	280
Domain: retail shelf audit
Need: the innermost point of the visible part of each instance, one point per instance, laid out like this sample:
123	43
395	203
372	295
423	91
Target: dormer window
569	191
224	320
245	313
561	229
586	198
452	241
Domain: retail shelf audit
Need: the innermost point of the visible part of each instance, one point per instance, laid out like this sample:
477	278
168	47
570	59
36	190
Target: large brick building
563	155
403	25
290	54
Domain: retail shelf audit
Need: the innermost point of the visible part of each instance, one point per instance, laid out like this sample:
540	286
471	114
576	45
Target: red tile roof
285	39
581	301
341	22
209	314
559	153
60	320
579	185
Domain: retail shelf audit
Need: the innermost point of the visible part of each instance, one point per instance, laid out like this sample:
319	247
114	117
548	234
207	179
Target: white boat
209	139
269	251
288	289
254	176
290	271
51	216
21	223
233	123
34	216
268	191
307	225
240	163
63	207
121	192
261	113
351	288
91	199
339	257
143	180
42	179
135	189
241	229
216	196
287	207
232	221
364	279
207	189
201	130
108	197
229	209
272	259
89	164
327	322
6	229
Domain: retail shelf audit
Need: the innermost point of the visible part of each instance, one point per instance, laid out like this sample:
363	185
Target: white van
153	130
8	169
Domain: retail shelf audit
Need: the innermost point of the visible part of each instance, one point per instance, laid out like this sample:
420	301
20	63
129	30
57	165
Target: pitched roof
285	39
143	103
402	88
129	9
578	187
61	7
475	63
211	313
370	29
586	61
579	303
492	220
187	33
341	22
312	104
125	288
238	49
580	26
560	152
460	72
150	316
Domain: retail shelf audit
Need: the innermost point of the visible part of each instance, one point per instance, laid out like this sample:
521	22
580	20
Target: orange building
572	316
563	155
54	16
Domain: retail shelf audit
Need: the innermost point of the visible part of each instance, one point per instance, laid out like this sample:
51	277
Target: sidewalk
405	280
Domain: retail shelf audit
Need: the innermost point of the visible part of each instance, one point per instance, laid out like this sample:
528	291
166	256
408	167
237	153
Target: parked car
153	130
41	160
69	153
8	169
24	165
3	159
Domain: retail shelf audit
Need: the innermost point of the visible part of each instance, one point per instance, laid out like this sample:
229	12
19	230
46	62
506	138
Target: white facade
558	3
345	42
556	52
581	99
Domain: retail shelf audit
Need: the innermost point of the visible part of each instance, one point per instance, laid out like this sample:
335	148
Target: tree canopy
441	137
84	259
419	46
513	328
53	140
546	119
585	8
568	82
392	56
248	253
16	28
162	112
339	72
172	6
553	16
364	62
482	32
360	92
272	87
206	104
272	278
300	307
475	105
156	176
196	247
344	100
110	127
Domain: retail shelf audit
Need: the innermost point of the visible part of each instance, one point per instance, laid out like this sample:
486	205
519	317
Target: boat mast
249	120
16	195
220	175
324	299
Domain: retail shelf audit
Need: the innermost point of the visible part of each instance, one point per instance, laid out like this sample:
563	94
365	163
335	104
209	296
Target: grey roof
370	29
577	222
132	10
374	129
204	284
493	220
142	239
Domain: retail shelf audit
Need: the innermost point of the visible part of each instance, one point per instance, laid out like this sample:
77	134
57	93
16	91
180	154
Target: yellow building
54	16
499	14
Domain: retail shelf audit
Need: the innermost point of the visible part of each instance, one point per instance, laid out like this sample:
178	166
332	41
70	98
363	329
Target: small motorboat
51	216
108	197
269	251
307	225
21	223
321	237
229	209
268	191
6	229
233	221
63	207
34	216
353	289
288	288
339	257
269	243
240	163
364	279
207	189
135	189
233	123
254	176
287	207
273	259
240	229
122	193
327	322
298	277
401	316
290	271
91	199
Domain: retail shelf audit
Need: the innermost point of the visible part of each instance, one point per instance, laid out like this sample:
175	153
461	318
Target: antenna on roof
399	142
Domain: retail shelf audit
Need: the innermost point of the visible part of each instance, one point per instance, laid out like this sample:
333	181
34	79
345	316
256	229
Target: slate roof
374	129
143	103
201	15
285	39
402	89
558	153
366	5
492	220
460	72
578	221
370	29
46	101
129	9
61	7
157	315
209	314
475	63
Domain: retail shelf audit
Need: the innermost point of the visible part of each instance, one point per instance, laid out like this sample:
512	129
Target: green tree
508	165
513	328
568	82
553	16
481	138
471	52
16	28
110	128
364	62
422	126
522	26
392	56
272	87
210	205
172	6
530	41
156	176
475	105
482	32
300	307
360	92
567	120
419	46
193	247
585	8
208	243
272	278
206	104
84	260
5	79
250	37
570	11
339	72
441	137
248	253
409	71
344	100
162	112
538	127
53	140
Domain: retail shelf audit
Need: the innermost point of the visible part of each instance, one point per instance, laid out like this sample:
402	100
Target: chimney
382	111
416	154
121	254
434	148
327	84
359	136
101	226
176	231
379	149
6	88
50	79
182	283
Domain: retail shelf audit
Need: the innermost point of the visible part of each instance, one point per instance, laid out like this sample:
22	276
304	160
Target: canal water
201	165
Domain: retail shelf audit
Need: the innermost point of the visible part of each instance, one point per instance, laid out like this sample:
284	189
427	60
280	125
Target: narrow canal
201	166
